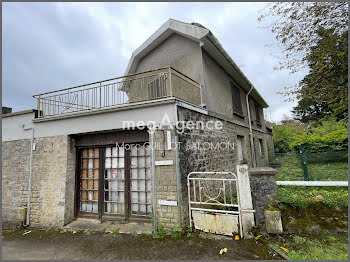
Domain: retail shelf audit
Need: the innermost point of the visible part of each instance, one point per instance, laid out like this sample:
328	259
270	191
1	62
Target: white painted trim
312	183
167	203
191	107
164	163
168	134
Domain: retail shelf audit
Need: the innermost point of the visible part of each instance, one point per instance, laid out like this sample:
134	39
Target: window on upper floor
257	114
236	100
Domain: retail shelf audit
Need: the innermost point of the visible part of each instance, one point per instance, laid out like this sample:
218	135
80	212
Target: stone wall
53	181
15	173
70	181
166	182
194	158
264	190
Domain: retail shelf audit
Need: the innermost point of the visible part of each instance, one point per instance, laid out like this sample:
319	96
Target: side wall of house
178	52
218	94
197	154
270	144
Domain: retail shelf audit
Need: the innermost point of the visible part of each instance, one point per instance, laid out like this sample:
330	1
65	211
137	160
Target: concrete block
273	221
248	223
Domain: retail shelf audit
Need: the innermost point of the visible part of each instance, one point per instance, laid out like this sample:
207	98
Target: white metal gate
214	202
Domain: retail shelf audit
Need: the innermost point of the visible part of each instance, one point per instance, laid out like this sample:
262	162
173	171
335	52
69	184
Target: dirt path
42	245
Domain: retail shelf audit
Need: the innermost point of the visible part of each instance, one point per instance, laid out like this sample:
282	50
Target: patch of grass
115	231
290	169
303	196
88	232
323	245
296	196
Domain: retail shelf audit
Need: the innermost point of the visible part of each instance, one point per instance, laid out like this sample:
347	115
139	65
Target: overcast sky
49	46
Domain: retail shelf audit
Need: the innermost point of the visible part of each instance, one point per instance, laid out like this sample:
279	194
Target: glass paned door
140	181
89	180
114	191
115	180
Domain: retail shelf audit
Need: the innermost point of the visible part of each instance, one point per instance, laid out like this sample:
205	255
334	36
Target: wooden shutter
257	113
236	100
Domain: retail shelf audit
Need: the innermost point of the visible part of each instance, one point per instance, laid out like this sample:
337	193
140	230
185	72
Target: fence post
246	203
303	162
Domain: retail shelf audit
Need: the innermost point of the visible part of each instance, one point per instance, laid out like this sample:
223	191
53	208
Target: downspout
27	222
250	129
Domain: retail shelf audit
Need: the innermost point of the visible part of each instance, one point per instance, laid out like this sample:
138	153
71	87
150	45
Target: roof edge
23	112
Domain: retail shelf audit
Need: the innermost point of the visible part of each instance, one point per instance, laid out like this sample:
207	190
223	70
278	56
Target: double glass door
115	180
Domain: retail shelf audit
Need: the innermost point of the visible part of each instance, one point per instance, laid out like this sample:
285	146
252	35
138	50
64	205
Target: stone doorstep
82	224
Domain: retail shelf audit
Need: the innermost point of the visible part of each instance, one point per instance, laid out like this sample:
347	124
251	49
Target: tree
308	110
296	27
314	35
324	91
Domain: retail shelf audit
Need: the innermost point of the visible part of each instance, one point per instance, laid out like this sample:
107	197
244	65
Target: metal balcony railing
138	87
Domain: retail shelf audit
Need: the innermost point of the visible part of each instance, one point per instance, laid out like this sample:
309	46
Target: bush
330	135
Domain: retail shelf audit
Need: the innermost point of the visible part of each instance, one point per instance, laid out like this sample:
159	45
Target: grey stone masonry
166	182
264	190
53	181
15	172
201	149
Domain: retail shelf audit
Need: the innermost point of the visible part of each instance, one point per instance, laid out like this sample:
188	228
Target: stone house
74	156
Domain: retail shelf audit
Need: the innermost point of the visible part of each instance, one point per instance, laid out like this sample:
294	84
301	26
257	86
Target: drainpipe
32	144
250	129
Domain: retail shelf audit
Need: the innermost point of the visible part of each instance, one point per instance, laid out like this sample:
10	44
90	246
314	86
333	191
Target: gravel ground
53	245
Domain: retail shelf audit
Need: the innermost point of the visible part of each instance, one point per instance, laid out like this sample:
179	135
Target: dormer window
236	100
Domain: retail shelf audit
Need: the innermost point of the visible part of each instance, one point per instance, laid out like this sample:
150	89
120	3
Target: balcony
135	88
